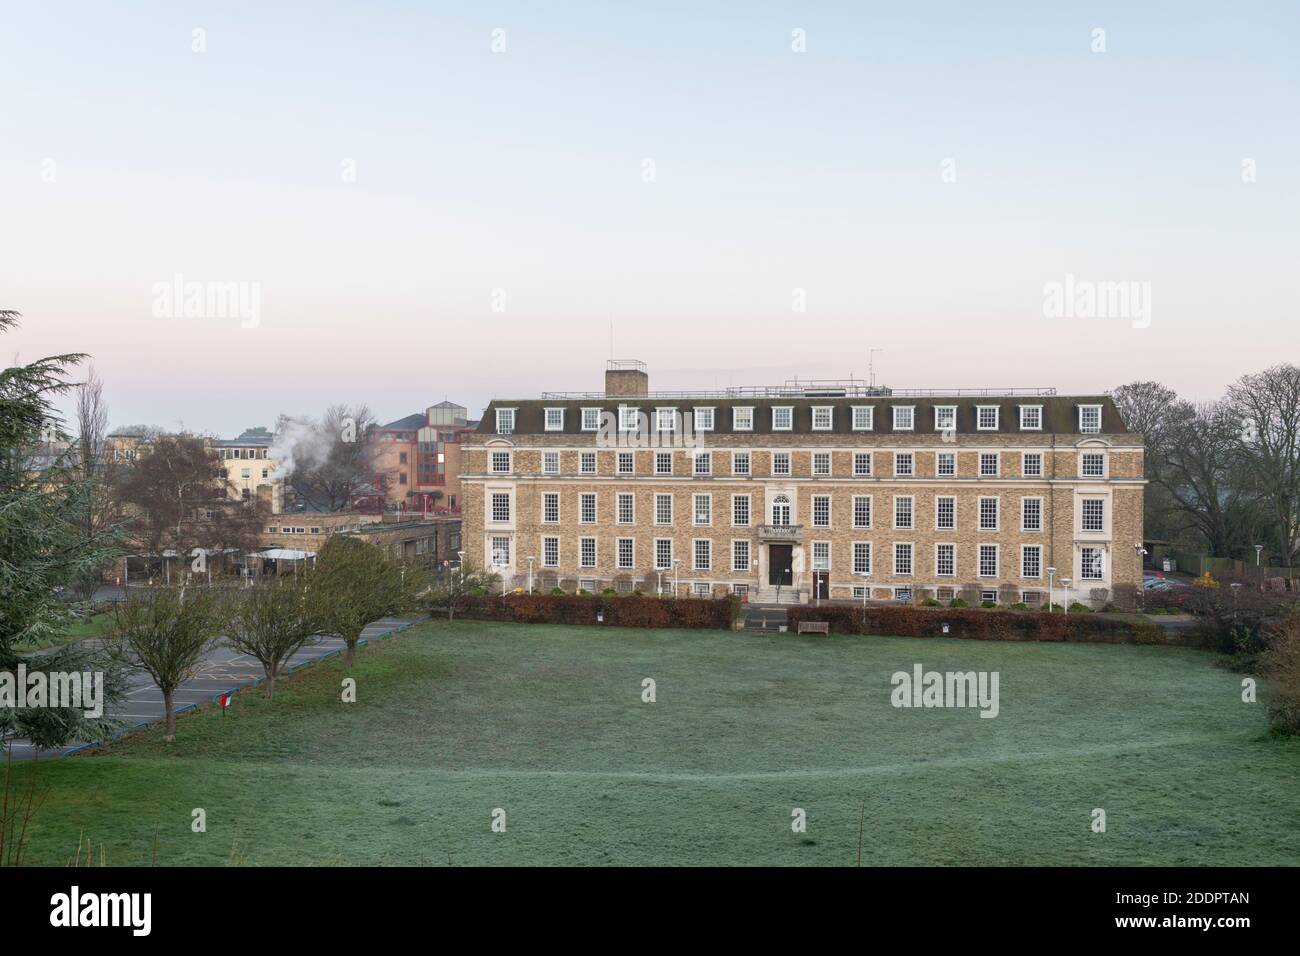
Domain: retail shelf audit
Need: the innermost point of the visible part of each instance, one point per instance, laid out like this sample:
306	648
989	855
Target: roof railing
815	390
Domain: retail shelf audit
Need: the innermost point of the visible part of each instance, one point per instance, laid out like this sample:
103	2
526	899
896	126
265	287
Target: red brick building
418	458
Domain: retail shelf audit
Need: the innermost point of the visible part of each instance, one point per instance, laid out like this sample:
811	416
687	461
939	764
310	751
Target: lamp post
1051	573
1259	549
1065	595
1141	553
1235	586
530	574
676	581
660	572
461	555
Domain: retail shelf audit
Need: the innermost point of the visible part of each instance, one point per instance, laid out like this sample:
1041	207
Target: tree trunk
351	654
270	683
169	722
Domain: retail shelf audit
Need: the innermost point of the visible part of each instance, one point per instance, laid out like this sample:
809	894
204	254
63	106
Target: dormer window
742	419
823	416
1089	418
628	416
986	418
591	419
945	418
703	421
863	418
554	419
665	419
782	418
505	421
904	418
1031	418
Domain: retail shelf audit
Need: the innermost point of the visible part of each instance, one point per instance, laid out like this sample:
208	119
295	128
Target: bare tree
96	469
180	502
1153	411
460	588
272	621
166	633
1267	409
1201	471
1147	408
328	462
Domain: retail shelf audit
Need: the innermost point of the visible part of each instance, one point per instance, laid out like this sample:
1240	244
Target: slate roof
1060	413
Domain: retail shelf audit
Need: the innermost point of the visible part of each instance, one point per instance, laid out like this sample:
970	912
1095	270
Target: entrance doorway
780	564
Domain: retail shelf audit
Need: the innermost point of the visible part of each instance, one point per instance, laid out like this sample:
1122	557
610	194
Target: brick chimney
626	378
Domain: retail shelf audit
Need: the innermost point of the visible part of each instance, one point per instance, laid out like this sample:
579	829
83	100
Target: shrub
957	602
976	624
930	602
558	591
609	592
1126	597
1238	620
1077	608
629	611
988	604
1020	606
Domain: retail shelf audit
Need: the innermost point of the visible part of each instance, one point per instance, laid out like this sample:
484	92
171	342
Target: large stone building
831	490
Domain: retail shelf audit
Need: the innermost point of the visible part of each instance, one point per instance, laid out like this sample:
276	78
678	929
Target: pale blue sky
523	171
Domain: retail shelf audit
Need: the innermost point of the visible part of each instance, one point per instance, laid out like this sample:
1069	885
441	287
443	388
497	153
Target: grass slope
453	720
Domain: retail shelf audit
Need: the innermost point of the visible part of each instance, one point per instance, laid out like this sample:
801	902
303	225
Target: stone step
770	595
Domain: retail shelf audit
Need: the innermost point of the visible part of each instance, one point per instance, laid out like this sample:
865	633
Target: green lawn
547	723
98	626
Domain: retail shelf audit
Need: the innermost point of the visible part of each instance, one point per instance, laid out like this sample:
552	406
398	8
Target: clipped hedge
630	611
985	625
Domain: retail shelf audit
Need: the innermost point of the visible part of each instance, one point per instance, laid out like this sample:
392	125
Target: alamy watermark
922	688
1087	299
77	690
633	428
76	909
179	299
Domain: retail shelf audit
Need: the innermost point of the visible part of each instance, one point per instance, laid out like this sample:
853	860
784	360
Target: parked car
1155	581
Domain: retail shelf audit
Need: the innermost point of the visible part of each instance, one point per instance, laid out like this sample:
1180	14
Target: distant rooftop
409	423
257	442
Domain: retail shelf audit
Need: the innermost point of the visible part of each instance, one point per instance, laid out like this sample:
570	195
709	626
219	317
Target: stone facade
854	506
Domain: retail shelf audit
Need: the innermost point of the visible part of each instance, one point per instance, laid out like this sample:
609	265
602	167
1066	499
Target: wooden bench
814	627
